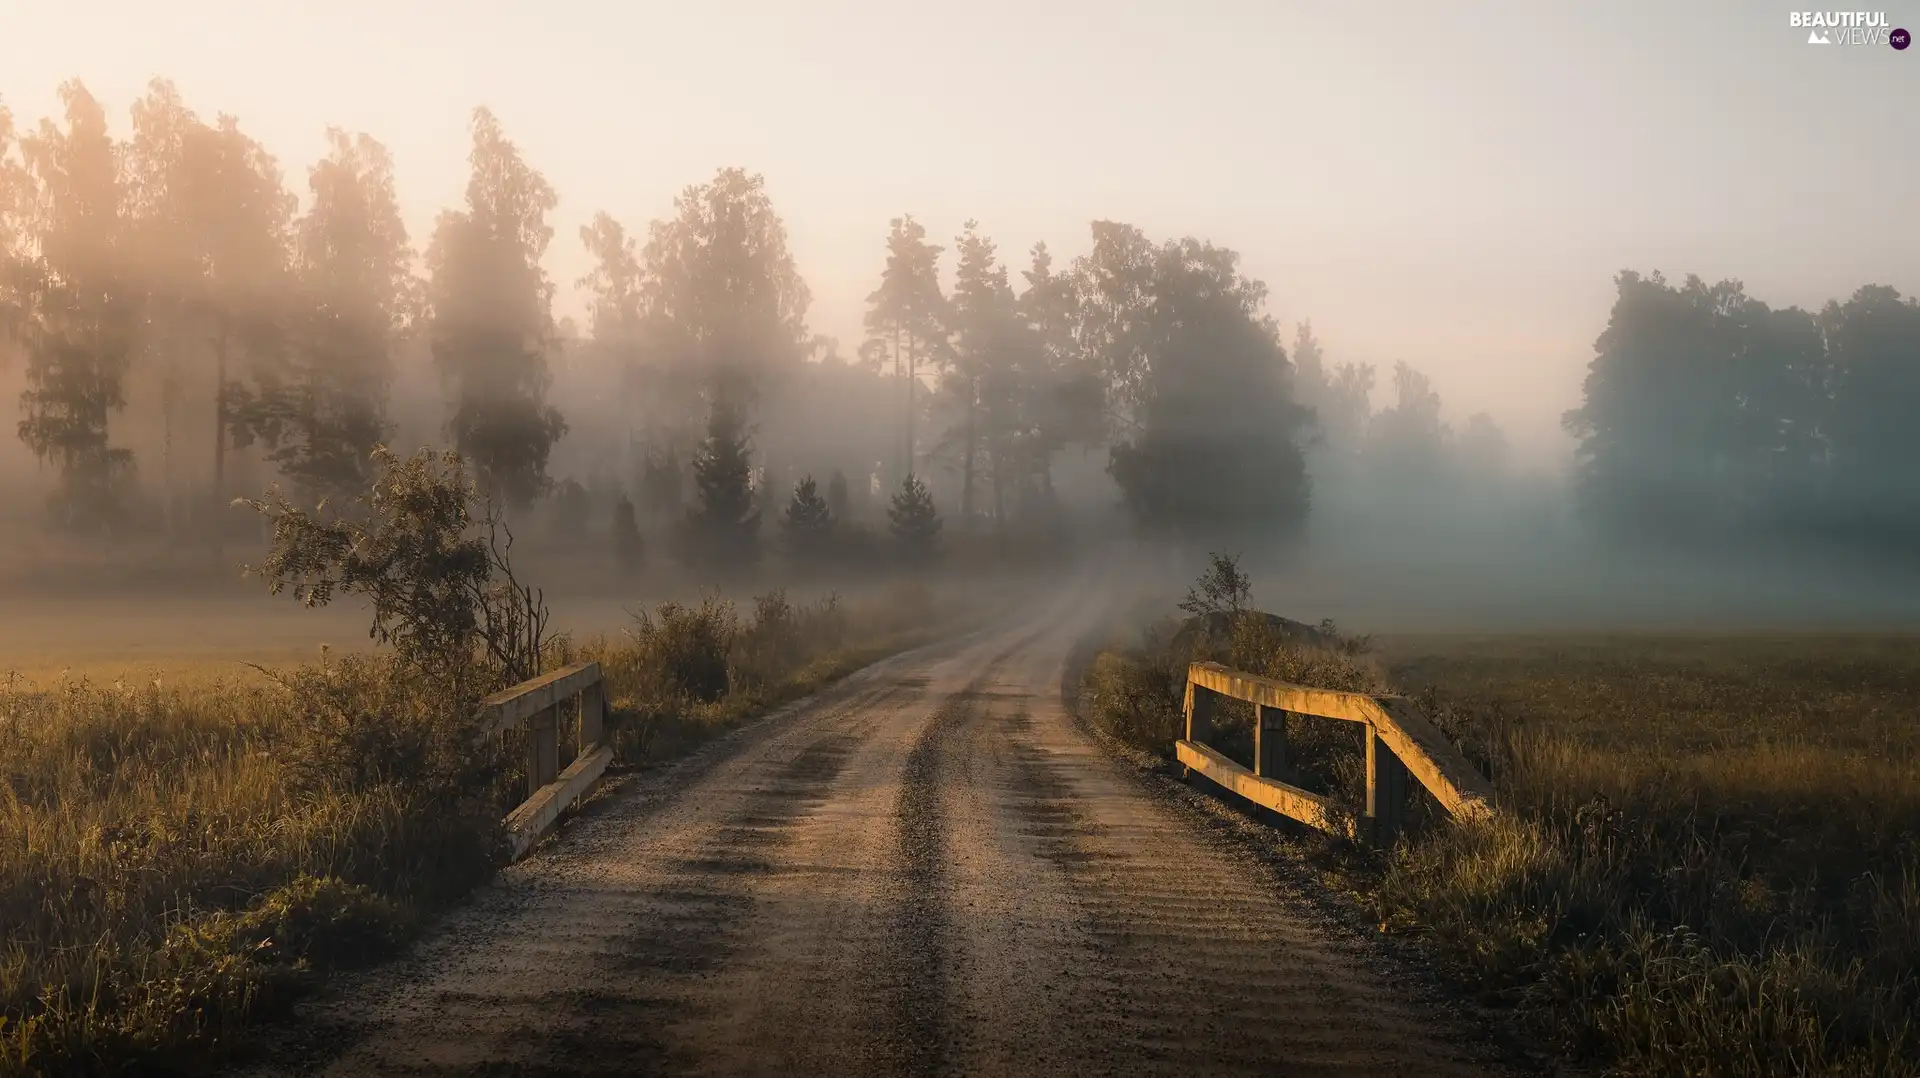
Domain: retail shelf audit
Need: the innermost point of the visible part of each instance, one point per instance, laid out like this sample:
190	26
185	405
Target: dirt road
930	870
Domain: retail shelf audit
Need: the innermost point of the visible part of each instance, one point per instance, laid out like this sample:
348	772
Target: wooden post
1386	790
1270	743
592	715
543	749
1199	714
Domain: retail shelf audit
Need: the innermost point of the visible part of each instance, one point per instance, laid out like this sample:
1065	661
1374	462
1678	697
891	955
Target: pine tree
839	499
914	522
628	551
909	312
809	524
723	528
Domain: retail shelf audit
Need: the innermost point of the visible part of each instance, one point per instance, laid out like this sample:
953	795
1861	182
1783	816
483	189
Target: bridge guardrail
538	705
1401	743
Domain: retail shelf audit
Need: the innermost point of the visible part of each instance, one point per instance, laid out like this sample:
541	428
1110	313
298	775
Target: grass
1708	860
179	860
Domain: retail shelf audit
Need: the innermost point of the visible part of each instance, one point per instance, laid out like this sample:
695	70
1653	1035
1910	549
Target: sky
1453	185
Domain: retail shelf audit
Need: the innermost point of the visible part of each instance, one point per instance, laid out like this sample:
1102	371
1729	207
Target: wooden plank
1425	752
593	713
1432	759
1311	809
1270	744
1324	703
543	749
509	708
533	819
1386	790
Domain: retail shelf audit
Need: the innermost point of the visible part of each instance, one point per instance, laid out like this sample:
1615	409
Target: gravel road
929	869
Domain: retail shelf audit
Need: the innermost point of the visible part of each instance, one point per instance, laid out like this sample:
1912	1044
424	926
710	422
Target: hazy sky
1449	184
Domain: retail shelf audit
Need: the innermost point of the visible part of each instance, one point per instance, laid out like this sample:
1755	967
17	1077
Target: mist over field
199	303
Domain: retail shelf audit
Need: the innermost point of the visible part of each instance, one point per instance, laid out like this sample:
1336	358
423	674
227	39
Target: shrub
684	649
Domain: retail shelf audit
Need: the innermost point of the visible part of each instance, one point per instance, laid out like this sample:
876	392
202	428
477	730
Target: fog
1452	394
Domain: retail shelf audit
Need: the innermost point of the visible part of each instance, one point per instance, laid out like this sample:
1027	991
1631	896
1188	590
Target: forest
185	329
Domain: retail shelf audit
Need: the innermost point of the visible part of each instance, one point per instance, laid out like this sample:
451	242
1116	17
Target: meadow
1708	858
189	843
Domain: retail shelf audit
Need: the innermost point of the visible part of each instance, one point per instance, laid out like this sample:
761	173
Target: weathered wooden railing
539	704
1400	742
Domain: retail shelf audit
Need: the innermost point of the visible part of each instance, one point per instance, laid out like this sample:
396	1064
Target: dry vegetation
1709	862
178	860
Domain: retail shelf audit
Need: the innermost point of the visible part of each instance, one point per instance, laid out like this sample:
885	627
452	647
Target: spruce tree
839	499
723	529
914	522
808	527
628	551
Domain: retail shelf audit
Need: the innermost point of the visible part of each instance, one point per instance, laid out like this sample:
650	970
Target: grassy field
187	844
1709	859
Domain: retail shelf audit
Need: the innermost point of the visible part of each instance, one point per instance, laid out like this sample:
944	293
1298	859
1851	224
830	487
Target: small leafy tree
914	521
1223	587
724	526
433	558
809	524
629	553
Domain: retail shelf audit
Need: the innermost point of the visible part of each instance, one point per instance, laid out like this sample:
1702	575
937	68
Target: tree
629	553
322	409
914	522
81	314
1223	588
981	316
1701	411
1483	450
839	499
210	222
723	529
434	561
1340	398
1407	442
809	525
16	197
16	264
1066	394
1874	338
1199	383
909	312
492	318
660	482
724	306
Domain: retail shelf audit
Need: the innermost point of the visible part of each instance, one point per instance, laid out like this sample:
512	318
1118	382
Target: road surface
930	869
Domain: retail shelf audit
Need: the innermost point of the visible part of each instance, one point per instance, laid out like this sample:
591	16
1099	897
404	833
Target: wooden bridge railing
1401	744
540	705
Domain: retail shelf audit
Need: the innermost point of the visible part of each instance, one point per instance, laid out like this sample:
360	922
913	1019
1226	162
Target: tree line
178	263
1711	417
176	271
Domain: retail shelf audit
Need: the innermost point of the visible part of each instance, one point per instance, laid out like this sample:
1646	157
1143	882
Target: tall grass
1708	858
178	862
